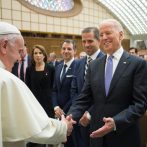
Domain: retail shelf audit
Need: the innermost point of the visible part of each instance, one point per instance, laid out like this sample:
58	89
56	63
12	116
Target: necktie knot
110	57
89	59
65	65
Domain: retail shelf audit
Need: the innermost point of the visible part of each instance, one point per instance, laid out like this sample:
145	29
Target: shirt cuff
88	116
55	108
114	126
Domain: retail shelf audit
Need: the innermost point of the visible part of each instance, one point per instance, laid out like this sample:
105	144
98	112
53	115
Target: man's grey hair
117	24
92	29
53	54
11	37
83	53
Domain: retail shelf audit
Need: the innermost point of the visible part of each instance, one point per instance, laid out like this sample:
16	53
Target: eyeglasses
19	50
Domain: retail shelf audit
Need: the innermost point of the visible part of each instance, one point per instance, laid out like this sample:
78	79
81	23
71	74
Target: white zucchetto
6	28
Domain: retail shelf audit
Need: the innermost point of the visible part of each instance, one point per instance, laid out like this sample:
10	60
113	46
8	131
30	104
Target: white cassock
22	117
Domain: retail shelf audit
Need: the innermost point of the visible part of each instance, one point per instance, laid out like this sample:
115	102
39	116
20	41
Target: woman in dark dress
40	77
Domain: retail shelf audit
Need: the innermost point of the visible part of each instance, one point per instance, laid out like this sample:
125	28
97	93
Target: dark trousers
86	135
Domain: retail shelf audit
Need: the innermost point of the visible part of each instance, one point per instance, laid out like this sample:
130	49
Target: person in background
141	56
133	51
76	58
19	68
39	79
53	60
91	42
61	90
82	54
22	117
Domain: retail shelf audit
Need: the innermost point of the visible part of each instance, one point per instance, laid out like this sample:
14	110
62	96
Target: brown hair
42	49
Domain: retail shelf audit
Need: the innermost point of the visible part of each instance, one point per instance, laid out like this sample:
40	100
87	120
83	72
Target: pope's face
13	52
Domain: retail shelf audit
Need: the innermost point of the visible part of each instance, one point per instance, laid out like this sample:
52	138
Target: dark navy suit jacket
78	79
61	92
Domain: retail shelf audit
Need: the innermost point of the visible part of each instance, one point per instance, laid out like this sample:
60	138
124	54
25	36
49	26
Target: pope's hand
108	127
84	121
59	112
69	123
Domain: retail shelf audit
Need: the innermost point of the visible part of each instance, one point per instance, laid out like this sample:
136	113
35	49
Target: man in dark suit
53	60
61	89
91	41
116	83
26	60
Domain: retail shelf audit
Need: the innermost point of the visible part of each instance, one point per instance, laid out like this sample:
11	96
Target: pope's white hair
11	37
117	25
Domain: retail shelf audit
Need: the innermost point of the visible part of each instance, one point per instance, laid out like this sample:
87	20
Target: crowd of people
97	99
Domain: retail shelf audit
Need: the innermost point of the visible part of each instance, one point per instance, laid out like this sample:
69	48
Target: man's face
13	52
52	58
132	51
90	44
67	51
110	38
23	53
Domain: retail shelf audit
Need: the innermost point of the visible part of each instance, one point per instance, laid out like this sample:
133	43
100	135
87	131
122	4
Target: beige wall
25	19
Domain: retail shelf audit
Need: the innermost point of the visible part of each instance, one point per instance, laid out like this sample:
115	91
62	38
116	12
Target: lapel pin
69	68
125	62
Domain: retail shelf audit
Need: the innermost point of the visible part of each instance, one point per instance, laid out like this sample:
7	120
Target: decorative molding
74	11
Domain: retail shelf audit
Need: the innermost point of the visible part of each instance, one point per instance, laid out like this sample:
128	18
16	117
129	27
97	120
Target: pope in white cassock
22	117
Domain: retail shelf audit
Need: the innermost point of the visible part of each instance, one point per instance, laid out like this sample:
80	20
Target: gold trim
74	11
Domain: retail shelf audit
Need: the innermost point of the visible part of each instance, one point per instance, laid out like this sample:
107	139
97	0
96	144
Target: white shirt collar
2	65
117	55
94	55
69	62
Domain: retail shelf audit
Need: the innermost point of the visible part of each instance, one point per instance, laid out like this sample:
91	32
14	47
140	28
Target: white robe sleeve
22	117
52	134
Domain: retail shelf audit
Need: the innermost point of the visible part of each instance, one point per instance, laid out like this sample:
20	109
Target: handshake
68	120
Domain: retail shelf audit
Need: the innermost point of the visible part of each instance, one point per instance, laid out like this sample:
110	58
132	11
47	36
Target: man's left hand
84	121
108	127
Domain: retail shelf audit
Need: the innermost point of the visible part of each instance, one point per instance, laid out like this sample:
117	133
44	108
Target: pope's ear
3	46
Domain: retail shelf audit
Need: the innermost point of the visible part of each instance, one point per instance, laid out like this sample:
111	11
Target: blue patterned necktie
108	74
86	65
63	73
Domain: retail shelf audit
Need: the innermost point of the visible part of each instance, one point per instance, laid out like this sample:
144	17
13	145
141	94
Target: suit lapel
121	67
101	66
58	71
33	72
82	68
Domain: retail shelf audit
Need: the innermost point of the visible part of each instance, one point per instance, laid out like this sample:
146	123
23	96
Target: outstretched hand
69	123
108	127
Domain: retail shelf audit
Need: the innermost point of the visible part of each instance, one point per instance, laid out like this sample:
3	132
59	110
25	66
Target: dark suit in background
41	86
15	68
76	88
56	63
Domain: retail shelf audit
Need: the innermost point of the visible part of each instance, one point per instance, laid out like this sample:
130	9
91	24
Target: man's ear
75	51
3	46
